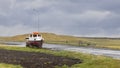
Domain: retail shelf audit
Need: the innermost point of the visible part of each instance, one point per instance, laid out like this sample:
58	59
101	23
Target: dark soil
34	60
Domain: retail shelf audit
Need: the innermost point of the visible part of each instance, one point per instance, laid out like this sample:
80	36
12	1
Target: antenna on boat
37	19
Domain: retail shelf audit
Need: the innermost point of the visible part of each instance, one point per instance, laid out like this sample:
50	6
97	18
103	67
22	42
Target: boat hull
37	44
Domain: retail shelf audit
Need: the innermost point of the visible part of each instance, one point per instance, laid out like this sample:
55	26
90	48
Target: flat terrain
26	57
34	60
99	42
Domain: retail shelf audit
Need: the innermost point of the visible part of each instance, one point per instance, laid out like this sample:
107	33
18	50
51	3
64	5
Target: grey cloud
72	17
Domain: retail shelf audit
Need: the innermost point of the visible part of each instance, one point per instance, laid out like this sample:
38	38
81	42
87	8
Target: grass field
89	61
106	43
112	43
3	65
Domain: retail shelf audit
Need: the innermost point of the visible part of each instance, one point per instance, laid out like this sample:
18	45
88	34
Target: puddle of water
95	51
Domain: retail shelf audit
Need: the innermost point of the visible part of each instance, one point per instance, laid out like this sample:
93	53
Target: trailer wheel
27	45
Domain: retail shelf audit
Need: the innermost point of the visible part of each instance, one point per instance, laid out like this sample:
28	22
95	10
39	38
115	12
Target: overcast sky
99	18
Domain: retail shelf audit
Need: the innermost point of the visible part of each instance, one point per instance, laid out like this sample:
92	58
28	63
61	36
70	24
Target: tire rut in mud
34	60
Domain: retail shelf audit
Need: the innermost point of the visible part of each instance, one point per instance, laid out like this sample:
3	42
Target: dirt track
34	60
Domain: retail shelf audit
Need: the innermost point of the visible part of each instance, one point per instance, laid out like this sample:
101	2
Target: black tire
27	45
31	46
40	44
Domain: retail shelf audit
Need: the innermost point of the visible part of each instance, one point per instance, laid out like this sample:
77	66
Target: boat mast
37	19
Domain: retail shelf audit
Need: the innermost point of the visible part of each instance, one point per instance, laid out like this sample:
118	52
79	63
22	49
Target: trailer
34	40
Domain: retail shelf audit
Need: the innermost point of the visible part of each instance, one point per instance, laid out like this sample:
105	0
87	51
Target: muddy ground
34	60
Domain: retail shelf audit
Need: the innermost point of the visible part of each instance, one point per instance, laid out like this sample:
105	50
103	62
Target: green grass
106	43
2	65
89	61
